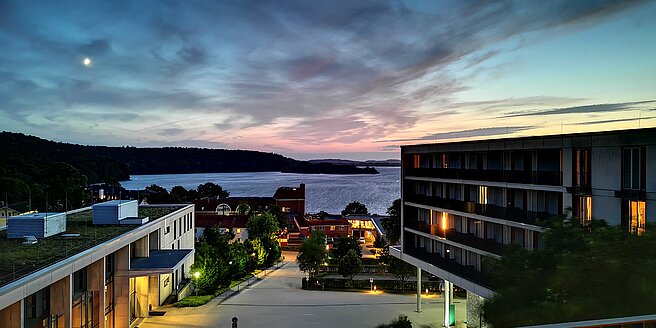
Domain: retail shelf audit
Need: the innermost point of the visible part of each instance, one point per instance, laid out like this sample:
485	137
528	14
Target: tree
261	226
570	278
157	195
342	246
355	208
262	229
209	189
401	270
349	265
243	209
179	194
277	213
380	242
312	254
393	224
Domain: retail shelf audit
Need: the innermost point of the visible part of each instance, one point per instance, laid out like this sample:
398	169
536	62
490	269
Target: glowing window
637	217
482	195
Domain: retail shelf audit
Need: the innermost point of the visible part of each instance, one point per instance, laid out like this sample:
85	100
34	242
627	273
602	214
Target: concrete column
418	290
447	302
61	294
153	291
11	316
96	285
122	287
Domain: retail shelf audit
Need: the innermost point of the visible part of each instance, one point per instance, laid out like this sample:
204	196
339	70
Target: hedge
388	285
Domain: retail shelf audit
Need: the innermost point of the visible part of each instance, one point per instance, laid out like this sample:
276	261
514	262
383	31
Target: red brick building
291	199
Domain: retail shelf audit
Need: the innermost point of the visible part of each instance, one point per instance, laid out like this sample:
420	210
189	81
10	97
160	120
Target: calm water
324	192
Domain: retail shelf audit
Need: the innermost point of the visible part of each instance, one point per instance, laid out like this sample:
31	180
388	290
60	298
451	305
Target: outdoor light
374	287
196	274
230	263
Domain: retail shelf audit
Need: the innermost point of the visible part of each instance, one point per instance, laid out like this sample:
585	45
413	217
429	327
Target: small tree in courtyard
392	225
349	265
312	254
342	246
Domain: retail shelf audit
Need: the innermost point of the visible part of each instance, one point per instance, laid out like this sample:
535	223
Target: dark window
109	266
582	165
633	168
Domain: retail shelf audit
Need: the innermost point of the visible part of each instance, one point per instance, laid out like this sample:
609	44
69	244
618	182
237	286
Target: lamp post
196	276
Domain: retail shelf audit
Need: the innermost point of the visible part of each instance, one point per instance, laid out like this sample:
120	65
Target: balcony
549	178
493	211
470	240
451	266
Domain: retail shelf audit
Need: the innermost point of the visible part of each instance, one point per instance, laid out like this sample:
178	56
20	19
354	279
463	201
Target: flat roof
116	202
547	136
165	260
39	215
18	260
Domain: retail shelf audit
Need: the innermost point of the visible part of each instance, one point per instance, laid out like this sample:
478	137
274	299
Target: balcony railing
451	266
470	240
549	178
493	211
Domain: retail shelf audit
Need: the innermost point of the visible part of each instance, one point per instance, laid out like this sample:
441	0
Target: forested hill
28	158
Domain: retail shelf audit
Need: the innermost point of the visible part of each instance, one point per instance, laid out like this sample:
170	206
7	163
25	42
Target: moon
86	61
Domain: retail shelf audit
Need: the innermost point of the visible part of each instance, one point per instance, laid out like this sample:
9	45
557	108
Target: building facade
465	201
108	284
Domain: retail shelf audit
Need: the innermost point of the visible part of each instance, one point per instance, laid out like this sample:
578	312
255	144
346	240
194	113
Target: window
332	228
633	166
583	209
582	164
238	230
167	230
636	216
482	195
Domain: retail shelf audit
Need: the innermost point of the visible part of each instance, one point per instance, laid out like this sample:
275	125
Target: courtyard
278	301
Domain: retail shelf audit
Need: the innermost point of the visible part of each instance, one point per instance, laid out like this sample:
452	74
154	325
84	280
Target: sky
323	79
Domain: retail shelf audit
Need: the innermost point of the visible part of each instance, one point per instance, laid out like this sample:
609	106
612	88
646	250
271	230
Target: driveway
278	301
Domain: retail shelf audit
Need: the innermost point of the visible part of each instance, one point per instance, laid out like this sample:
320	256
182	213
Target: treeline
31	166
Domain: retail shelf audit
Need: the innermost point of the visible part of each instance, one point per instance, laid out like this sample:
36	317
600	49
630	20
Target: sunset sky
318	79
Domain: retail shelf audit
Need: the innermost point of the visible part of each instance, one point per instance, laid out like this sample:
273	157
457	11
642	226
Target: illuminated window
482	195
637	217
415	161
445	218
583	209
332	228
238	230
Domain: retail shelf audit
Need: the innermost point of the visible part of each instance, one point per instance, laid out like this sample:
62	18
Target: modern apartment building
465	201
94	275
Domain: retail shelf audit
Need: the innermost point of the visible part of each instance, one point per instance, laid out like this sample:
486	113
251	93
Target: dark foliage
355	208
393	224
591	272
343	245
401	322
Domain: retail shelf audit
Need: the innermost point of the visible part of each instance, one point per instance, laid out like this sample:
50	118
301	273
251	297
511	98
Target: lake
324	192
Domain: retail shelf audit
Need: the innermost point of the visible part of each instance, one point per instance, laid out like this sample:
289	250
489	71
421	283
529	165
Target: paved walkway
278	301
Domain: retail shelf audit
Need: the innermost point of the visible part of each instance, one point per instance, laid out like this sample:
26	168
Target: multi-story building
465	201
94	275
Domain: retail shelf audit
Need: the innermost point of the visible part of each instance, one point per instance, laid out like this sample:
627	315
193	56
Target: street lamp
196	275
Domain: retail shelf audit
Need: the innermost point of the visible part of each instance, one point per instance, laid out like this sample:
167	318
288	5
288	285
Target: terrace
18	260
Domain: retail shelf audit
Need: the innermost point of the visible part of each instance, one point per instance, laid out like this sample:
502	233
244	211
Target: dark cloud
596	108
614	120
343	71
482	132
